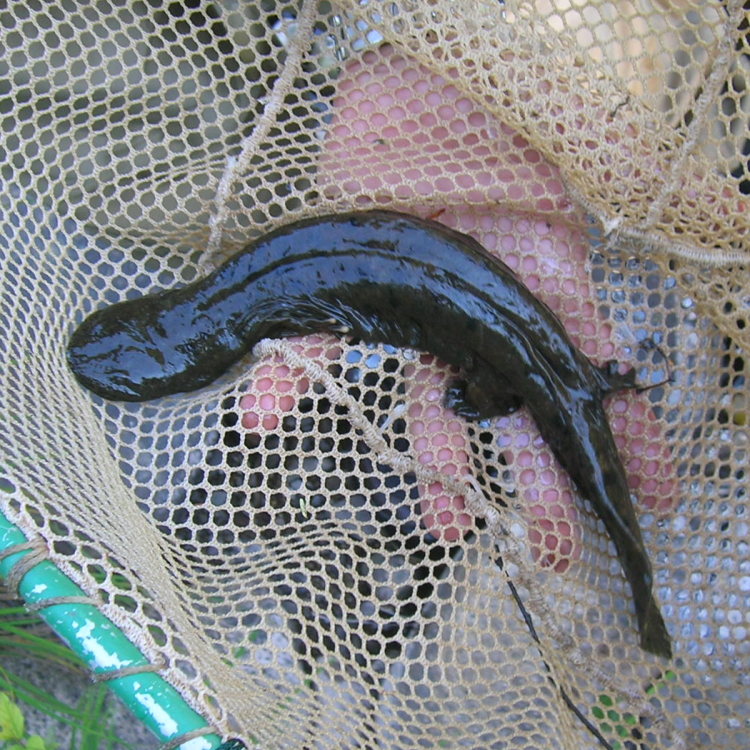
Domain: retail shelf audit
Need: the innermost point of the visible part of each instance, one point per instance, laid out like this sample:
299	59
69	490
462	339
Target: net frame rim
46	589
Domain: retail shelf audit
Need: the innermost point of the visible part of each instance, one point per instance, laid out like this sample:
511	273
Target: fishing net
313	550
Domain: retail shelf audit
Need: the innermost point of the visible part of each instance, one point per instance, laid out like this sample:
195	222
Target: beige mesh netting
319	553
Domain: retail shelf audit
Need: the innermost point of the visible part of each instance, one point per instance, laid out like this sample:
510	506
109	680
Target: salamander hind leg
612	380
472	399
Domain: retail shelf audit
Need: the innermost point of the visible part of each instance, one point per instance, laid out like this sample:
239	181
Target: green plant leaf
35	742
11	719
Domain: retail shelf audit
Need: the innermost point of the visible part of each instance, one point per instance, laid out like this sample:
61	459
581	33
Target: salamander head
119	354
147	348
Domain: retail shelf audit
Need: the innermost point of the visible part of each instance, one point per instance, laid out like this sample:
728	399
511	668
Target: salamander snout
115	357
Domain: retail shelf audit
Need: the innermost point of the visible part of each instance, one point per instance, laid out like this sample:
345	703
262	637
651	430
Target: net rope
313	550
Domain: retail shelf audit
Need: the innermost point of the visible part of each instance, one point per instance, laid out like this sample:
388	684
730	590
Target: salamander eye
156	354
137	334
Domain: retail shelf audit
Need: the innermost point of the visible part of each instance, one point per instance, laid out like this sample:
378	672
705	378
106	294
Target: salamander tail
654	635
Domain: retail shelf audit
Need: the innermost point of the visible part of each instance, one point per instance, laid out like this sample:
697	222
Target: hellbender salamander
387	277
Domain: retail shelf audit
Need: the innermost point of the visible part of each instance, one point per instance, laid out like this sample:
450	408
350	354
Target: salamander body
383	276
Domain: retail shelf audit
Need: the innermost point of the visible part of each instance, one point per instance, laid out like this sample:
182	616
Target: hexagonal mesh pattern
321	553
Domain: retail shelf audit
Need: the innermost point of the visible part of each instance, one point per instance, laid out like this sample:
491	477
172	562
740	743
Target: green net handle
104	648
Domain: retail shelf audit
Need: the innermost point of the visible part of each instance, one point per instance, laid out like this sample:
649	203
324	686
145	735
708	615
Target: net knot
36	550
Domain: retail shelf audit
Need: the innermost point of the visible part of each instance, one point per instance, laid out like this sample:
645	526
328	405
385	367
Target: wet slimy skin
386	277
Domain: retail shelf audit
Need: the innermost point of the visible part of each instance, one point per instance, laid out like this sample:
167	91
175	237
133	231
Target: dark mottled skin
386	277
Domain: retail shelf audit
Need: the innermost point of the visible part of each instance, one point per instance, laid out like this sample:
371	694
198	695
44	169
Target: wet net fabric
316	550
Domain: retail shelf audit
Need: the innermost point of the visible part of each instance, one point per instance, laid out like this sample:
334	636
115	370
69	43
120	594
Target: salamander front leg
455	399
472	400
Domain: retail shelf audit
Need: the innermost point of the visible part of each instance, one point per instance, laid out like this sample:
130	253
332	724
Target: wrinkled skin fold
386	277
